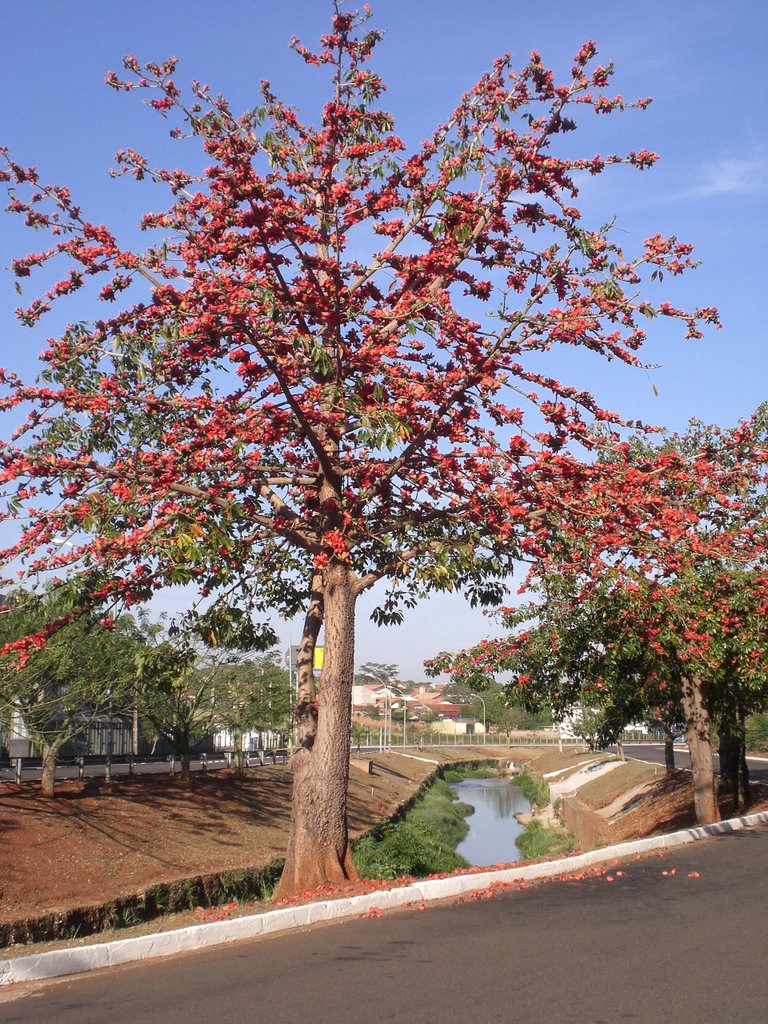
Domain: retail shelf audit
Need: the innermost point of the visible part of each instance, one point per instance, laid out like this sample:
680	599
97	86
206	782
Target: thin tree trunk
318	847
135	732
48	777
743	793
669	752
700	745
734	774
239	751
729	750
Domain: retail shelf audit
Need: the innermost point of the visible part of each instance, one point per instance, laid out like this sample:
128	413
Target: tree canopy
86	669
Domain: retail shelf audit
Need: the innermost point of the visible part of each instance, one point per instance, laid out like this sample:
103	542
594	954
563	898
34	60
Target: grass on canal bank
465	772
535	789
539	841
423	843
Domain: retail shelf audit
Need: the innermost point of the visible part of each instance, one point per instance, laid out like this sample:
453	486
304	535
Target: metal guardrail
16	766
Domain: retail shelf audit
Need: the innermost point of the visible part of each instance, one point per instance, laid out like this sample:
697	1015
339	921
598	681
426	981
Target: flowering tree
658	605
324	370
570	650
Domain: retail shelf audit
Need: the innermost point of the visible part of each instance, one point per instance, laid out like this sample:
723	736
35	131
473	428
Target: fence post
17	771
81	768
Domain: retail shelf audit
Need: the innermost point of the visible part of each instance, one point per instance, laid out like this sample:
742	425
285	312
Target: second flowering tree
652	602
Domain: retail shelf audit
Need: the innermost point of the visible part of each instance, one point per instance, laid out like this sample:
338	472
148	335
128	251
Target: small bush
538	841
534	788
423	843
406	848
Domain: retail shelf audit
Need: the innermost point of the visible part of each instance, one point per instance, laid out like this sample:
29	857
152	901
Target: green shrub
538	841
534	788
447	821
423	843
405	848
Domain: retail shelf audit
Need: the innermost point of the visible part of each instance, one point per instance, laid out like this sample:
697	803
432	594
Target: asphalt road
646	948
758	767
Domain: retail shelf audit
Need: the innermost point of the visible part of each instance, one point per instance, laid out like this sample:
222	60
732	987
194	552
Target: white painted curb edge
120	951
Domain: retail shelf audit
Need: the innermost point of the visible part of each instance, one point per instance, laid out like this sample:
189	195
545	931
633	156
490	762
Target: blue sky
703	62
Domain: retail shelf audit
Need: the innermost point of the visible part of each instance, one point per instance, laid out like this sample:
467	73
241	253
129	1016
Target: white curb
121	951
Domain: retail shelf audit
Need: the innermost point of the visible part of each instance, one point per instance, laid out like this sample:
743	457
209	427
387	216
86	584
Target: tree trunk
698	723
48	778
729	750
318	847
734	774
669	752
743	793
239	768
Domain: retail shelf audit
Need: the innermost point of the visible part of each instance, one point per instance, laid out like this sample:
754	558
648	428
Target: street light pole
390	688
388	719
483	703
388	722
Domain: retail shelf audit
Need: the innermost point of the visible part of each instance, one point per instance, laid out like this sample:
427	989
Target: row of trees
91	669
327	369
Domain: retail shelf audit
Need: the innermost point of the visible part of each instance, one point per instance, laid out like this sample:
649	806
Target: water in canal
492	828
